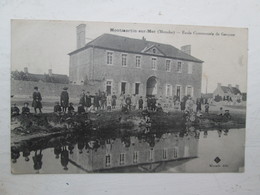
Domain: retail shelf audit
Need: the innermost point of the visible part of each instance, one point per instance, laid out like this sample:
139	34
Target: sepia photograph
108	97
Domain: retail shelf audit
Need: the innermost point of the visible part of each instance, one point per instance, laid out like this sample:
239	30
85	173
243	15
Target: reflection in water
94	151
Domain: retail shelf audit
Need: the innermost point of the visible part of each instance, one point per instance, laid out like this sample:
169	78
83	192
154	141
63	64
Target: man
37	98
14	110
88	100
64	99
26	109
114	100
82	99
140	103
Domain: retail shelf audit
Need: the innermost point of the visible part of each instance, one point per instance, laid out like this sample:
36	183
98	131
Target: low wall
24	89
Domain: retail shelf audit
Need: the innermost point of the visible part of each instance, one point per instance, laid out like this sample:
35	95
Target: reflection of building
116	155
227	92
135	66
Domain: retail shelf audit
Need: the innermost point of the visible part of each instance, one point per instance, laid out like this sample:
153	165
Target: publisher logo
217	160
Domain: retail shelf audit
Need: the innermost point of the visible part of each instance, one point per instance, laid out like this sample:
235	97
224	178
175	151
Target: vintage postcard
96	97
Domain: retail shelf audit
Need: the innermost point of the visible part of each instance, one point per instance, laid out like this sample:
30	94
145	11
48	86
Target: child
26	109
81	109
109	102
14	110
57	108
207	108
227	114
159	108
71	108
140	103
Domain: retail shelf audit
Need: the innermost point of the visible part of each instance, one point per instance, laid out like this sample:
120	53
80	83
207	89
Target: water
189	151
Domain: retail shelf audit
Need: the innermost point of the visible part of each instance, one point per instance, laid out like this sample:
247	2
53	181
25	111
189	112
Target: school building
135	66
139	153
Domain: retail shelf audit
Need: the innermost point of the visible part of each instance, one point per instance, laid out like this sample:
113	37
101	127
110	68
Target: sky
41	45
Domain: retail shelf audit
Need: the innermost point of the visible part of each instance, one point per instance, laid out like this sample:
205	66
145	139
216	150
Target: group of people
108	102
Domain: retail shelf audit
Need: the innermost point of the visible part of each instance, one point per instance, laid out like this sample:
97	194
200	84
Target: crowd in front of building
100	101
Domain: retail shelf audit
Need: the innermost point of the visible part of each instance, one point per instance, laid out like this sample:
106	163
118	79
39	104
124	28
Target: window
124	59
154	63
138	61
123	87
109	58
168	90
179	67
189	68
189	90
122	159
168	65
175	152
135	157
109	87
137	86
164	153
108	160
154	50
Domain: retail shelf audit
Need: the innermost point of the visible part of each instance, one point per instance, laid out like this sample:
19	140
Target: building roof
233	90
131	45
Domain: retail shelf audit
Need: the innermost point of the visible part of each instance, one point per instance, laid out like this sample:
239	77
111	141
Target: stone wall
51	90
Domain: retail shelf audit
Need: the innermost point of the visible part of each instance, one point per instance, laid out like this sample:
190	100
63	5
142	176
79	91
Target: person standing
128	102
64	99
207	108
37	98
122	100
134	102
198	103
114	101
82	99
140	103
88	100
96	101
103	100
109	102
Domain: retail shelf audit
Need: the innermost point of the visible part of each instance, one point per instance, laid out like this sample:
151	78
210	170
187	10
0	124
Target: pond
132	152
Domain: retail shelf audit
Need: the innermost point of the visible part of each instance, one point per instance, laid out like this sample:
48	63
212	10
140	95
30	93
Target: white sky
41	45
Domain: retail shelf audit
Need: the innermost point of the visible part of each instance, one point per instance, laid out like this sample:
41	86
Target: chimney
50	72
229	85
237	86
219	85
81	35
25	70
186	49
143	38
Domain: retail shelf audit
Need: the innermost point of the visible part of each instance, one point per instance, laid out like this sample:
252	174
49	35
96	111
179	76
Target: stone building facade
135	66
